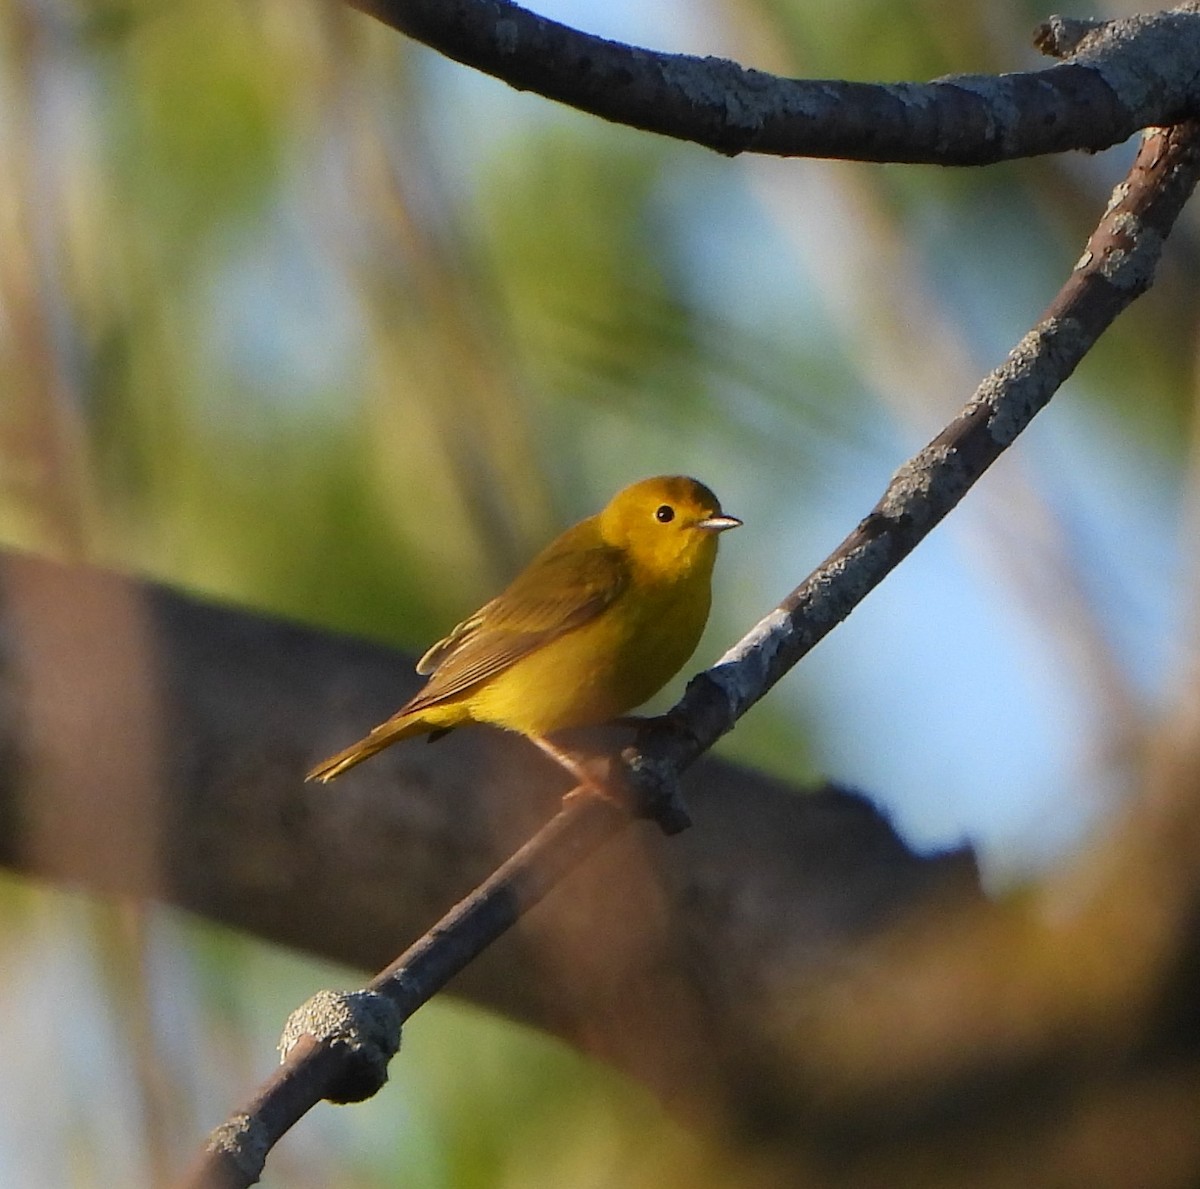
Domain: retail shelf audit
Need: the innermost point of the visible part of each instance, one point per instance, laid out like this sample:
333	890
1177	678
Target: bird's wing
558	592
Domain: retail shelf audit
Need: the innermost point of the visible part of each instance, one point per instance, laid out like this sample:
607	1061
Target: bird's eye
665	514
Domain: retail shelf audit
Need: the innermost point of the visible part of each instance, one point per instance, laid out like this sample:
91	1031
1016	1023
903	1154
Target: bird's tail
400	726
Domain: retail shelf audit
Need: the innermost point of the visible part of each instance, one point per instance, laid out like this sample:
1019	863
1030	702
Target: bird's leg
575	767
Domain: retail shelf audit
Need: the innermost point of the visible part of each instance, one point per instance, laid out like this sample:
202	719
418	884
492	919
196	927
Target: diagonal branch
1124	75
1116	267
338	1046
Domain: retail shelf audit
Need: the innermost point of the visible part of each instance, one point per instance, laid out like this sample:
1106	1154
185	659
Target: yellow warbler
599	621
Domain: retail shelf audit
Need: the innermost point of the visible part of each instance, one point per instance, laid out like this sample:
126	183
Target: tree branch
1118	264
1116	267
1125	75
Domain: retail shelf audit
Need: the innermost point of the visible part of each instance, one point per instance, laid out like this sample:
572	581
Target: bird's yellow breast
604	668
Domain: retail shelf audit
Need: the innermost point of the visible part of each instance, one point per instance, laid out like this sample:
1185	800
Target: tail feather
387	733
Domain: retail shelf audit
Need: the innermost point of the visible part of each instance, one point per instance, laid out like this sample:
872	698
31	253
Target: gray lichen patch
1145	58
1020	387
925	486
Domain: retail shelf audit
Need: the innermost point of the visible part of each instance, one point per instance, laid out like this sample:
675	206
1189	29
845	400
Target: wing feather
561	590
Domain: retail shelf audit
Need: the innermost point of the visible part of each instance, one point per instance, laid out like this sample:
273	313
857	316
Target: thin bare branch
1117	266
1122	76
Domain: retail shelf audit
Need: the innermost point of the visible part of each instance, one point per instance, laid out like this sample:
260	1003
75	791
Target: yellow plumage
598	622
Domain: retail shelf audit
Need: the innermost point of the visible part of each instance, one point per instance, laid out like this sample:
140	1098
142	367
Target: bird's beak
718	524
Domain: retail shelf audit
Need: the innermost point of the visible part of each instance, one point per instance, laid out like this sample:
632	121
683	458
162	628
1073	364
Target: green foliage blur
297	314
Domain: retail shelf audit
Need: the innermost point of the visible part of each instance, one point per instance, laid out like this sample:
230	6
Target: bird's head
668	525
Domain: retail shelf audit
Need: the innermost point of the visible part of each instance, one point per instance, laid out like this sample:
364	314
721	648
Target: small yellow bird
599	621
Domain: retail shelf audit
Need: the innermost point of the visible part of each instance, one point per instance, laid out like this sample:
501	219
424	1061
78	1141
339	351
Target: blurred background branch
773	884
